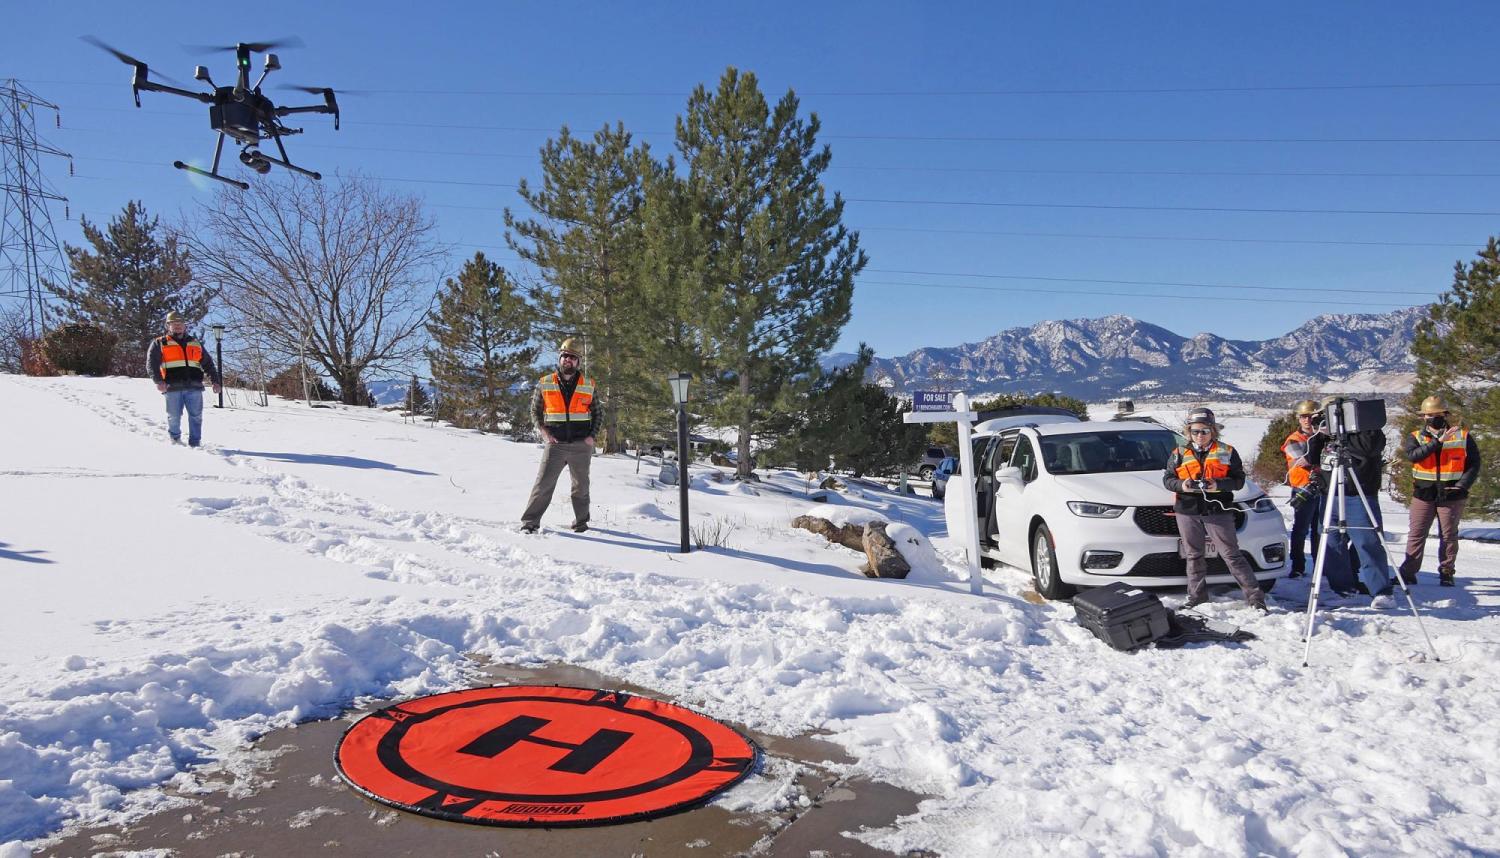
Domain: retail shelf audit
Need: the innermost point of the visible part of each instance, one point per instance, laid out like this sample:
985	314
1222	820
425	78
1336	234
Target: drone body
242	111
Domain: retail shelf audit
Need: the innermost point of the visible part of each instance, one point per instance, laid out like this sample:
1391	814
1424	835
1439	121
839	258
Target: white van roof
999	424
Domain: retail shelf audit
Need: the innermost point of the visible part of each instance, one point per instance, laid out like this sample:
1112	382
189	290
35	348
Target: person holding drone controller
1205	474
1364	451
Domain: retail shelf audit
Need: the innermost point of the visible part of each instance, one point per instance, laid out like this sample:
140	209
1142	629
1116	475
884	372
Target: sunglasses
1201	431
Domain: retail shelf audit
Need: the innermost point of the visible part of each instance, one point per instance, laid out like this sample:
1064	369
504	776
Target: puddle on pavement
285	799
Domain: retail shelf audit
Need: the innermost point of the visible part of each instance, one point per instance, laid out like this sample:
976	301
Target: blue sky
1014	110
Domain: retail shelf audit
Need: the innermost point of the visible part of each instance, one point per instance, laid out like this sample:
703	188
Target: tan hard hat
175	316
569	347
1434	405
1305	407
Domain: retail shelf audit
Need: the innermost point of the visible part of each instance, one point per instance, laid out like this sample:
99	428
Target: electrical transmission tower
30	256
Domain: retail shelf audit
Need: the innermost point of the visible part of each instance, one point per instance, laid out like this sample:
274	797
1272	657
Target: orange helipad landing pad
541	755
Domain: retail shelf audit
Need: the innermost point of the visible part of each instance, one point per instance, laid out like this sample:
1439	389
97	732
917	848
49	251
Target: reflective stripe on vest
175	354
576	409
1215	463
1296	475
1447	463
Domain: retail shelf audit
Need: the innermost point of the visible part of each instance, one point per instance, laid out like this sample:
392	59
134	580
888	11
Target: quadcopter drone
240	111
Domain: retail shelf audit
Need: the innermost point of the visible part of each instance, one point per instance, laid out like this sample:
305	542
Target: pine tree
856	425
777	265
1269	467
1457	348
134	276
587	243
480	359
417	401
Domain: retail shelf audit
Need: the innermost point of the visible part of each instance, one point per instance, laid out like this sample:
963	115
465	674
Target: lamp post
679	383
219	360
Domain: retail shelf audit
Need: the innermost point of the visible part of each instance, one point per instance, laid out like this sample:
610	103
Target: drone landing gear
290	166
244	186
213	173
287	163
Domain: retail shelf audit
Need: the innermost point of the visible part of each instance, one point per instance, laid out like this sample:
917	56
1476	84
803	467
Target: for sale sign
932	400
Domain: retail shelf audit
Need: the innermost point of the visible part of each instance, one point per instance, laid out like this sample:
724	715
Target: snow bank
309	559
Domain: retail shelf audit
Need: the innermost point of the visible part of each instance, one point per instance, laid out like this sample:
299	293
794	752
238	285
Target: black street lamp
679	383
219	360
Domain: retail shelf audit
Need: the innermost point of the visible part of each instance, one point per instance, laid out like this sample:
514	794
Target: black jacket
1427	490
1366	460
1196	503
573	430
180	377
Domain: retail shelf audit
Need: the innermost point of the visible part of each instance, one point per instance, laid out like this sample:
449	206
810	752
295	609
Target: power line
1008	233
1132	295
925	138
917	93
1117	207
1134	237
1299	289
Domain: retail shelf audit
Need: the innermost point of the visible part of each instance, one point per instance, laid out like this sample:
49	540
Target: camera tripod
1335	497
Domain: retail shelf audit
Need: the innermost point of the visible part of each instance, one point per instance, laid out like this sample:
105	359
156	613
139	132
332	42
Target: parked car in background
945	469
929	462
1082	504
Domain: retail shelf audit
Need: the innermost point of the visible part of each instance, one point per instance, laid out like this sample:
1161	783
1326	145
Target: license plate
1209	549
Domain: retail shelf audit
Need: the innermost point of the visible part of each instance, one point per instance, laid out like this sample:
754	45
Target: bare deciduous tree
341	270
14	327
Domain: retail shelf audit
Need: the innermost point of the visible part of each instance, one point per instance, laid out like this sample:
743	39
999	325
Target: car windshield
1107	452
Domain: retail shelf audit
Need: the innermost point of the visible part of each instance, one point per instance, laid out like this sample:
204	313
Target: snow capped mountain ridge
1118	355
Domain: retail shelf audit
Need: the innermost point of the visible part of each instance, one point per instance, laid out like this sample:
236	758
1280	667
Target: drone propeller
127	59
321	90
256	47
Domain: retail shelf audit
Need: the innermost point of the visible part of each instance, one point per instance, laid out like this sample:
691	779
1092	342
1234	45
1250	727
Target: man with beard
566	415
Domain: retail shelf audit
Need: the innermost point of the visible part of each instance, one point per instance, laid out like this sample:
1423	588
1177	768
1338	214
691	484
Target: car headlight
1261	504
1089	509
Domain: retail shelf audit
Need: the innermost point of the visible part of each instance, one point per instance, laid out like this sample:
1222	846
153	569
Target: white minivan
1082	504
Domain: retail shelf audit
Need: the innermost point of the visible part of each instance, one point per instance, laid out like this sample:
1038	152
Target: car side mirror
1009	474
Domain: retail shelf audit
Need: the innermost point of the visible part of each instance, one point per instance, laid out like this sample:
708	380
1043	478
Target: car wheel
925	472
937	492
1044	569
986	562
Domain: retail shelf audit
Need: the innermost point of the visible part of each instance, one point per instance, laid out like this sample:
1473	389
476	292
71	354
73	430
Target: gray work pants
575	455
1195	529
1448	513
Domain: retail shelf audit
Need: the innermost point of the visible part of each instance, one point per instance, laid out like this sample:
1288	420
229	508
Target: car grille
1168	565
1161	521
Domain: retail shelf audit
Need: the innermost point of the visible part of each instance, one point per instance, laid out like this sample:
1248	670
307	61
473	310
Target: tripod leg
1410	601
1334	498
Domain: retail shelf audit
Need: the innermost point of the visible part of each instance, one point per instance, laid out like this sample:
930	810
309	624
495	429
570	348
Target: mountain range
1118	356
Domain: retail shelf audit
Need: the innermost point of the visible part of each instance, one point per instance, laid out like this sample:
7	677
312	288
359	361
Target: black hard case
1122	616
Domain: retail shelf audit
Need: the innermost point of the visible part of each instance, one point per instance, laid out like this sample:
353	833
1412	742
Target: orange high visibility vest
1296	475
175	354
1447	463
1215	463
554	410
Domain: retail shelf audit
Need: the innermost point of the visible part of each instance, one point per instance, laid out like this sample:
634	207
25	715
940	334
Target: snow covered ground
162	606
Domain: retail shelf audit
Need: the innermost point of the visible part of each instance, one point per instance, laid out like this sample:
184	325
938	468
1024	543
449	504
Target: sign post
934	406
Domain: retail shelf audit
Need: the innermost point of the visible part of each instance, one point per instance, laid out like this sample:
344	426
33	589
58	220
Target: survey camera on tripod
1340	418
1343	417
